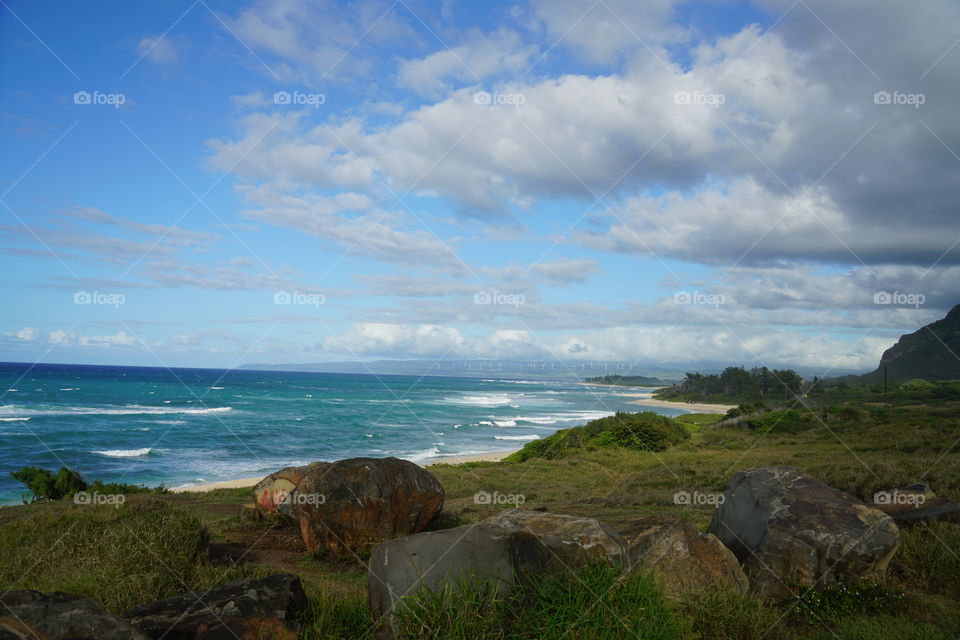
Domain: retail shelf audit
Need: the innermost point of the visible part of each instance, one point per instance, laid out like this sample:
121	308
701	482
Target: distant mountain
931	353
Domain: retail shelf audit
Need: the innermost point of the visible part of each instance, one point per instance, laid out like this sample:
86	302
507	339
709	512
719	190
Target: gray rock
496	552
435	560
785	526
269	608
61	616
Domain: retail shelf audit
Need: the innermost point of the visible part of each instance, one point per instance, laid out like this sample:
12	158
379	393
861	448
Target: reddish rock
273	490
353	503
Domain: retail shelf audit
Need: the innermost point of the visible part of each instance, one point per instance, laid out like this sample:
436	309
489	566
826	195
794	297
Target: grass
123	556
591	603
154	545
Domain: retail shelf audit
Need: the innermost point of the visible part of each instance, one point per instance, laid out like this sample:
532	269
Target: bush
44	485
646	431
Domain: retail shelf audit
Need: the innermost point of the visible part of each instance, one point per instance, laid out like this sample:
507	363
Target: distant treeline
737	385
629	381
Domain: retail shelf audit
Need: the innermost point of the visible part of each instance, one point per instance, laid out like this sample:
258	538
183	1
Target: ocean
192	426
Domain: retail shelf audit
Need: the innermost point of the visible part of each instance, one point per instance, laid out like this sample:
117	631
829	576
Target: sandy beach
694	407
493	456
646	397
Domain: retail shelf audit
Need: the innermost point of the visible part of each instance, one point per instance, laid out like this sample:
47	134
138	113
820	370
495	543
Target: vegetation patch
123	556
646	431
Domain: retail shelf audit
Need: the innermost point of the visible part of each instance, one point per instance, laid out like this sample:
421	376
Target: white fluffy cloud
649	345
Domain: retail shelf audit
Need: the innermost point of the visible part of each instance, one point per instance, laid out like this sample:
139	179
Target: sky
214	184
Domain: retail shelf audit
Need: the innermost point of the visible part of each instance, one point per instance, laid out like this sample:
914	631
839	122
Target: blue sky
214	184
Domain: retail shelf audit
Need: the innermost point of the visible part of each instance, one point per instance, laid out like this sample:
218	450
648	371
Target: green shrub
646	431
44	485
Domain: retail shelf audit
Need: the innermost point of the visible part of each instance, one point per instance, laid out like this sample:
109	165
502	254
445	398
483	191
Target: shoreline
647	398
241	483
692	407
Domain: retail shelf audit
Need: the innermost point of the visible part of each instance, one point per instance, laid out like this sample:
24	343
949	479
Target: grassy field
156	544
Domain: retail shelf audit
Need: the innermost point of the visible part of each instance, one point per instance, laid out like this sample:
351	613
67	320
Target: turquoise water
189	426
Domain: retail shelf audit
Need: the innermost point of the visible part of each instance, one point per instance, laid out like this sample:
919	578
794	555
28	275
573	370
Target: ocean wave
14	419
432	452
124	453
504	423
127	410
218	388
532	436
482	401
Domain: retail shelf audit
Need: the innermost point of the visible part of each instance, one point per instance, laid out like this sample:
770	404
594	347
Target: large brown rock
60	616
265	609
786	527
270	492
681	558
541	541
357	502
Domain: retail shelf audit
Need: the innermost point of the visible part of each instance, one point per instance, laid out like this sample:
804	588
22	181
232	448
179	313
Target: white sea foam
126	410
532	436
432	452
482	401
124	453
505	423
14	419
218	388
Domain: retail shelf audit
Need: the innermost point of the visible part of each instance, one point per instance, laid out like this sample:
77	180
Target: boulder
681	558
435	560
264	609
785	527
272	490
495	552
541	541
916	503
361	501
59	616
